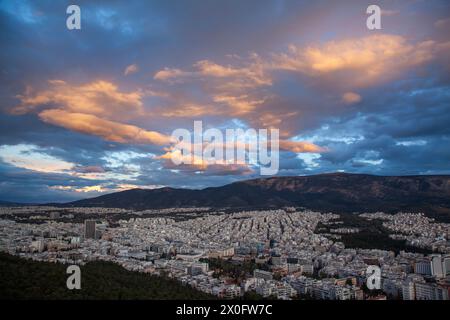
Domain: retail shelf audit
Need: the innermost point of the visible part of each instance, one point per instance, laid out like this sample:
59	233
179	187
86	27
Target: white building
436	266
266	275
408	290
423	267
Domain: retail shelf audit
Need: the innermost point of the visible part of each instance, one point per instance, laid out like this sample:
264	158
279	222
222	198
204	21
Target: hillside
26	279
337	192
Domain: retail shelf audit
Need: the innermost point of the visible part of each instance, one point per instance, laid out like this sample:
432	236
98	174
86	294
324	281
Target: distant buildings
261	274
431	291
436	266
286	243
54	215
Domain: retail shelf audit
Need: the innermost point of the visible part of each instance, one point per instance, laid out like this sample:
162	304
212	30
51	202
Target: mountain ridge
332	192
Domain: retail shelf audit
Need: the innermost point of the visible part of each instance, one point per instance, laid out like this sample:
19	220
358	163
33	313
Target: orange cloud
97	108
190	110
192	163
169	74
249	76
239	104
176	156
369	60
351	98
102	188
174	159
241	88
101	98
300	147
108	130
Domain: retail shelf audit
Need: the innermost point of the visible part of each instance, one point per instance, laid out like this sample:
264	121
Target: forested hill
22	279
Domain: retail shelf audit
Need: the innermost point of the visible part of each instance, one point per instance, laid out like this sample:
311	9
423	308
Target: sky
87	112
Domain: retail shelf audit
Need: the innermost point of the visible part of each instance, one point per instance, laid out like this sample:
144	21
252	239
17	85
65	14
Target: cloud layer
92	111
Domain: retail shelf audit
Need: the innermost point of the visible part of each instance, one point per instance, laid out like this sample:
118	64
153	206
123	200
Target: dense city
275	254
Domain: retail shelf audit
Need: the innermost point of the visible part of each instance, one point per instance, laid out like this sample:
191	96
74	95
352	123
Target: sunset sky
90	111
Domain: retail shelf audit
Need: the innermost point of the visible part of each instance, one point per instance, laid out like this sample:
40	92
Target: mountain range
10	204
335	192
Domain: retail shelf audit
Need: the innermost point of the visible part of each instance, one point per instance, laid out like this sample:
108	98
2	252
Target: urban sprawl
290	259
